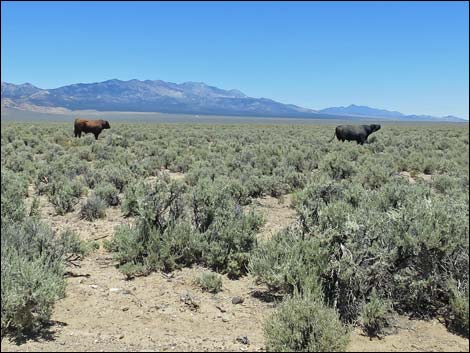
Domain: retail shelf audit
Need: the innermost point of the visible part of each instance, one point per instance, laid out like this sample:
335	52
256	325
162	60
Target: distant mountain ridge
361	110
364	111
167	97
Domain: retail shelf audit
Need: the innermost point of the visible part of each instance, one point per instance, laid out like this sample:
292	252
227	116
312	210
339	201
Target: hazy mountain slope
184	98
360	110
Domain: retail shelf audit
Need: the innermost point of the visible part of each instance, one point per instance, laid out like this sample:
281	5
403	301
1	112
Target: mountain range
184	98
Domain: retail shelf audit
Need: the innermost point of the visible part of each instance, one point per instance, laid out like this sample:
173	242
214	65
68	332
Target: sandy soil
278	214
411	336
166	312
104	312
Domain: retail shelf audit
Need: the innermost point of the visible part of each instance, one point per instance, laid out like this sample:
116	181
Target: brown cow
87	126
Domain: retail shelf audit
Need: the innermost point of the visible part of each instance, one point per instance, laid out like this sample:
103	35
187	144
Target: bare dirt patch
98	229
278	214
412	178
104	312
411	336
172	175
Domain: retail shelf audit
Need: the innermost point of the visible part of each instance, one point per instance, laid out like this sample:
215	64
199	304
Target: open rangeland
216	237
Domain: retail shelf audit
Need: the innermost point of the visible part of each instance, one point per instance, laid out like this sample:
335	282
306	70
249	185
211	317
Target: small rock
121	337
94	286
237	300
115	289
243	339
225	319
192	302
125	308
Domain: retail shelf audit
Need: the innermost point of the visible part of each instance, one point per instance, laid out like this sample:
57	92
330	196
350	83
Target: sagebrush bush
228	231
288	261
305	324
375	315
108	193
458	310
178	246
118	176
32	273
133	194
64	195
337	166
209	282
94	207
401	239
13	189
213	230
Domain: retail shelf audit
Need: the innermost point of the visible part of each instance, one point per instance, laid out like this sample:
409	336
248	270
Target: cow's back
80	123
86	125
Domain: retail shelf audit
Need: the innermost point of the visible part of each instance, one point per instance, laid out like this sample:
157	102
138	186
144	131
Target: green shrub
445	184
288	261
126	245
401	239
458	311
32	273
160	240
230	239
133	196
13	189
212	230
209	282
337	166
375	315
304	324
178	246
92	178
93	208
118	176
108	193
63	195
78	186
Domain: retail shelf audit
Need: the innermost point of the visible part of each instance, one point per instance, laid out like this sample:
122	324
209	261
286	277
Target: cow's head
105	124
375	127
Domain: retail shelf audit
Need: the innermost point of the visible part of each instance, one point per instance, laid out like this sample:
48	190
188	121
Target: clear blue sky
406	56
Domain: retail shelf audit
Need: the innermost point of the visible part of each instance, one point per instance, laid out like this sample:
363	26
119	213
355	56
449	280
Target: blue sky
406	56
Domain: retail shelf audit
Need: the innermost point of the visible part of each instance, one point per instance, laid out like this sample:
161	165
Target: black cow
358	133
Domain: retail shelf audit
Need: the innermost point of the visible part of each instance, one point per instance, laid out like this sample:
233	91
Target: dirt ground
411	336
166	312
278	214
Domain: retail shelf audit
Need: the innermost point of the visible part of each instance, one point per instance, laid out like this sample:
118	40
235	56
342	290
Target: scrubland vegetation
369	242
